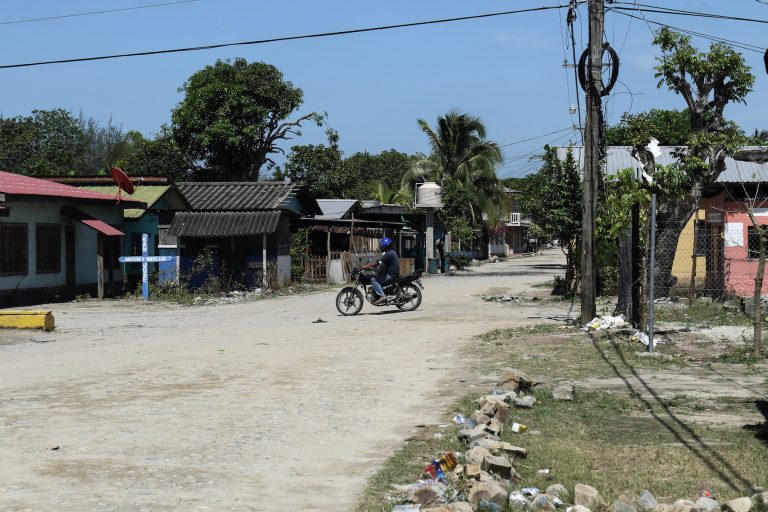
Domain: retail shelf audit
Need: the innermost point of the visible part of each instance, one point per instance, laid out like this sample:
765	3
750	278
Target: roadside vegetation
669	424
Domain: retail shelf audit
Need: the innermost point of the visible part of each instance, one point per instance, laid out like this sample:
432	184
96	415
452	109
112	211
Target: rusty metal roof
224	223
245	195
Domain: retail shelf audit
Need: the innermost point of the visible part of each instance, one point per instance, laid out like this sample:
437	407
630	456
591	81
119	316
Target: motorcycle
404	293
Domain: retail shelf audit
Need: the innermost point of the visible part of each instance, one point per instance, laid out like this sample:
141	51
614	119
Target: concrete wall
682	266
54	284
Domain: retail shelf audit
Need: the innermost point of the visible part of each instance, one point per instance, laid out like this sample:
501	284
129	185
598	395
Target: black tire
410	298
349	301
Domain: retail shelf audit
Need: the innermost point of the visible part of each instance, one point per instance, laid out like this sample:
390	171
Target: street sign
144	259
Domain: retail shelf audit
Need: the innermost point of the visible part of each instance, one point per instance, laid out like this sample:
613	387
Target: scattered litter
410	507
320	321
459	419
602	323
414	486
543	472
518	497
530	491
518	428
503	299
54	447
557	502
640	337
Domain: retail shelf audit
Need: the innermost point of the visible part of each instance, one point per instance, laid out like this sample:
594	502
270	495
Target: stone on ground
646	501
488	491
472	471
526	402
623	504
586	496
515	380
685	506
564	391
708	504
557	491
541	502
511	449
460	506
580	508
489	444
426	495
497	465
476	455
738	505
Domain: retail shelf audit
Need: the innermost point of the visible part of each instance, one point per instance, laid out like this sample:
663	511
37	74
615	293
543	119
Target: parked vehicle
404	293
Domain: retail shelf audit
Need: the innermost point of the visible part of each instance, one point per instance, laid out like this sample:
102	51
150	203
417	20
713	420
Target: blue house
241	225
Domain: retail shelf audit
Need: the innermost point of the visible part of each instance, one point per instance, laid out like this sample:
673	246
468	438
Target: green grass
702	313
620	441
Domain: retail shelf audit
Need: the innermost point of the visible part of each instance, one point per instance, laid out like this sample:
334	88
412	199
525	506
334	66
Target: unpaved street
236	407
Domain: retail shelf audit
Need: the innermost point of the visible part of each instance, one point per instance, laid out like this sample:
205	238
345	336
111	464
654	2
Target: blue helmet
385	243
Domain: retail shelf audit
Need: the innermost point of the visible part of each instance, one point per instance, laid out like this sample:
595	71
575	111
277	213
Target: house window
753	242
48	243
703	237
13	249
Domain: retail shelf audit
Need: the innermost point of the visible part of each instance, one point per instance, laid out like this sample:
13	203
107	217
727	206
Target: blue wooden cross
144	259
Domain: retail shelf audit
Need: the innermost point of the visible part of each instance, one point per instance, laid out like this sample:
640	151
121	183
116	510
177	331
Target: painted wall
85	244
682	266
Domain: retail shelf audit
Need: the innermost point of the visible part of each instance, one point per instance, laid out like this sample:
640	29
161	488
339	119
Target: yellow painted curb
26	320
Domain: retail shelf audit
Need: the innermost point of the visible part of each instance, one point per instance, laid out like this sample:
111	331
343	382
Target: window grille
13	249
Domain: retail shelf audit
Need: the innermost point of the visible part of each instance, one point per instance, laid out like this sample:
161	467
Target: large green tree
552	199
43	143
670	127
708	82
160	156
234	116
461	153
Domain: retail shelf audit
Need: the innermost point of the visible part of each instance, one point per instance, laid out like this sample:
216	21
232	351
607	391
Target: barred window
13	249
48	248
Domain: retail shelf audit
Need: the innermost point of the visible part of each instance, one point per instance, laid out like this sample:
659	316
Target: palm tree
386	195
461	152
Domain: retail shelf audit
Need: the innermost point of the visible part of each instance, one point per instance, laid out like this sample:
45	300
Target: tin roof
216	224
18	187
336	208
246	195
620	157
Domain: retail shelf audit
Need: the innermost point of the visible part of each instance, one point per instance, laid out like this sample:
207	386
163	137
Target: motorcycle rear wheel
349	301
410	297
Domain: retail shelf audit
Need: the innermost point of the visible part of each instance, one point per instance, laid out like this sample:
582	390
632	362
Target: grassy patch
702	313
620	439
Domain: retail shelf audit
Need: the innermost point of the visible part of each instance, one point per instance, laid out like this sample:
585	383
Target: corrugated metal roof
149	194
17	185
215	224
620	157
254	195
335	208
385	209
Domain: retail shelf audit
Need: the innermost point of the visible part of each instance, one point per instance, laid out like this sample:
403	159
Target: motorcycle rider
387	270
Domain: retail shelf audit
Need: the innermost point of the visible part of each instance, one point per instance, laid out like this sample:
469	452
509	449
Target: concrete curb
16	319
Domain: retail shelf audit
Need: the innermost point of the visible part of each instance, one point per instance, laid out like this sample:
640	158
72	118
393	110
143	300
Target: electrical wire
681	12
93	13
534	138
281	39
730	42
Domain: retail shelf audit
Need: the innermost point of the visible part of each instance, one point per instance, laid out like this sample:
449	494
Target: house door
715	280
69	242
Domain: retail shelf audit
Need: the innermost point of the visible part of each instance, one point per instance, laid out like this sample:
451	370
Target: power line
536	137
681	12
280	39
93	13
737	44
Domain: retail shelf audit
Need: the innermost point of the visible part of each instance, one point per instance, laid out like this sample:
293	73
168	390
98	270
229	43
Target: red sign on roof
17	185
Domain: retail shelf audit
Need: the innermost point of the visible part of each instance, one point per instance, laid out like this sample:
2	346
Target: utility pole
592	141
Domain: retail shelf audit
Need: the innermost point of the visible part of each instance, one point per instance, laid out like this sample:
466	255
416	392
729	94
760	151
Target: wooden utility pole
592	143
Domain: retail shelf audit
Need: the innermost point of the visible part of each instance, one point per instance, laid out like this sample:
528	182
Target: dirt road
130	406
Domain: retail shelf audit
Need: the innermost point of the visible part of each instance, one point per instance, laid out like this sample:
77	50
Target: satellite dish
123	182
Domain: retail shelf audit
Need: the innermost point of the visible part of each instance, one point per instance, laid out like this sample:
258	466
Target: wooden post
592	144
692	288
264	260
328	257
100	265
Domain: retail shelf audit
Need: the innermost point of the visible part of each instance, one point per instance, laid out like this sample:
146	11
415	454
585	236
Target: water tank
429	195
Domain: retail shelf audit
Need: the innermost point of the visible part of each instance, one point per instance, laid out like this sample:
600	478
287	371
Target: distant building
57	241
242	225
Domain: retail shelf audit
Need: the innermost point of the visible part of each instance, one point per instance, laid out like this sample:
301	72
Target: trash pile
503	299
484	478
605	322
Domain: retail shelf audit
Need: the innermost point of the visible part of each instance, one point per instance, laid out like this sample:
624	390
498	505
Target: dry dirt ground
130	406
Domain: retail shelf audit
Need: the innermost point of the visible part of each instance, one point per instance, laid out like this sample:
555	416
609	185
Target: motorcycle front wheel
409	298
349	301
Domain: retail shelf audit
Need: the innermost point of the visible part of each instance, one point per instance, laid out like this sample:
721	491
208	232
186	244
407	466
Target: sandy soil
130	406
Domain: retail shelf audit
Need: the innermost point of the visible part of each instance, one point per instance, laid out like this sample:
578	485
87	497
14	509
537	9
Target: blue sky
507	70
